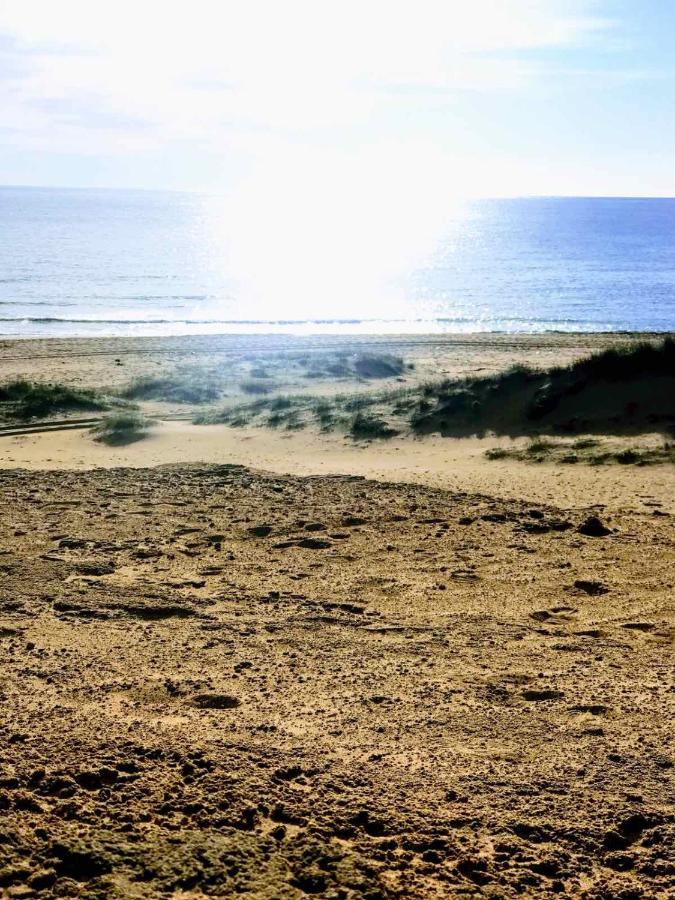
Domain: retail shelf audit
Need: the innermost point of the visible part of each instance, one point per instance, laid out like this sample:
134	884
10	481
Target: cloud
197	70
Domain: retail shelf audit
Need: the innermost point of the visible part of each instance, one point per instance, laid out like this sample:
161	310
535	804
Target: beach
288	661
337	450
433	461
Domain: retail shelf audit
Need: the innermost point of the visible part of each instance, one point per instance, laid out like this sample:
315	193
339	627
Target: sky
345	97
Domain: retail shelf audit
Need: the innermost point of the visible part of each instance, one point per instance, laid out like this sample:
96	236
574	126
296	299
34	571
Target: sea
122	262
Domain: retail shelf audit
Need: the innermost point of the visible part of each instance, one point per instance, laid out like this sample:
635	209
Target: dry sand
430	683
440	462
112	361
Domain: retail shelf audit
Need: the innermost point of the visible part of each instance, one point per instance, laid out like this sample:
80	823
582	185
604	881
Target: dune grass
619	390
120	428
627	361
192	388
336	412
590	451
24	400
365	426
625	390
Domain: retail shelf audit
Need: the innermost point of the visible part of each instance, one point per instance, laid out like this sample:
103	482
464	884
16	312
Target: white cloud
188	69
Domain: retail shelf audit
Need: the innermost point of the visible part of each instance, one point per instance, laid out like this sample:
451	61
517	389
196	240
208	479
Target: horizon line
467	197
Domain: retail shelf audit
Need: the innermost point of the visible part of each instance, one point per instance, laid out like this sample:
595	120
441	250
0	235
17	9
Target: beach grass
367	426
591	452
24	400
120	428
185	387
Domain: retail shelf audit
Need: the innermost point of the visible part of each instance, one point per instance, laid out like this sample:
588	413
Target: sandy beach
337	450
433	460
279	663
112	361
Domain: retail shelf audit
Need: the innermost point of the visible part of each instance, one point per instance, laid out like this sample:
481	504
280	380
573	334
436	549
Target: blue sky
337	101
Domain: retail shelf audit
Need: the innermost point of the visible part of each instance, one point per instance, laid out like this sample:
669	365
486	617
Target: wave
457	320
34	303
64	320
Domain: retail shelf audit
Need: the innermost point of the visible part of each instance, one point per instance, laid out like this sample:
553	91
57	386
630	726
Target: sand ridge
439	462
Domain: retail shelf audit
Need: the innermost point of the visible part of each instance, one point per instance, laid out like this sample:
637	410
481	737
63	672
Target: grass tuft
365	426
497	453
121	428
175	389
23	399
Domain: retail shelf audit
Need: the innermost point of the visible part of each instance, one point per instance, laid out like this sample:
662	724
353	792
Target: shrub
121	428
175	389
31	400
365	426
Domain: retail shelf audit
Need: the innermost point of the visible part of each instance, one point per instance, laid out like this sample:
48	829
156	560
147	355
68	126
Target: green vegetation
591	452
539	447
294	411
622	390
365	427
188	387
629	390
121	428
252	386
626	362
24	400
259	375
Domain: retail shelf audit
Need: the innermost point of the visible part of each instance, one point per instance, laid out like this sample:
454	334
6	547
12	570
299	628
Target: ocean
102	262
